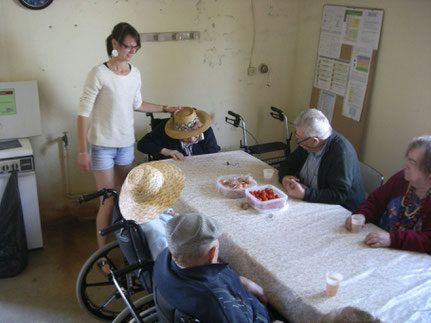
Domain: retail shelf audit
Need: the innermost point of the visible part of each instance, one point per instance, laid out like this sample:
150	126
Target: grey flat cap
190	233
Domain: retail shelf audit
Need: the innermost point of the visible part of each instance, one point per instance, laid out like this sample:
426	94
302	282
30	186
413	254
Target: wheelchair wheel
145	307
96	292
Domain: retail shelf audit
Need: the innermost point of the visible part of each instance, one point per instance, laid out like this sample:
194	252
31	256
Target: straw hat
187	123
149	190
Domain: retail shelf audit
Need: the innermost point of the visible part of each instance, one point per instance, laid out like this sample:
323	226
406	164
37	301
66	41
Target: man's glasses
136	48
301	141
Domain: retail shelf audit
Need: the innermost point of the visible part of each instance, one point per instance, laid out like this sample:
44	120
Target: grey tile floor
45	290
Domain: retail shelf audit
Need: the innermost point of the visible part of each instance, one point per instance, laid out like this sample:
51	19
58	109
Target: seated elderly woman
187	134
402	206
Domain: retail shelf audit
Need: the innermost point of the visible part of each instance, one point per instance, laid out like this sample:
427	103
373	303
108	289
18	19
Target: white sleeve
92	87
137	101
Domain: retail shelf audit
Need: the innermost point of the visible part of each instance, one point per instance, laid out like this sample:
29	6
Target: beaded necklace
414	215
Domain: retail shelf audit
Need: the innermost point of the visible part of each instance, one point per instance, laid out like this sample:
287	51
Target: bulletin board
344	72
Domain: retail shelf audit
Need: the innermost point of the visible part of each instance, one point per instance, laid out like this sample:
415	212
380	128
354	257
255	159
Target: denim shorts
104	158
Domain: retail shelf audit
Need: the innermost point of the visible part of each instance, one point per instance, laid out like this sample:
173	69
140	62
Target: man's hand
174	154
293	188
254	288
378	240
173	213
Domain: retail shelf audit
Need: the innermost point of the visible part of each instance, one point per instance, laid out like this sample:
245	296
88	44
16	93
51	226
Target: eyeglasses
136	48
301	141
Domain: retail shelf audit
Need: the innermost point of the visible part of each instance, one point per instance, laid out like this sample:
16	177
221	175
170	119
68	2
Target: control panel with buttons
21	164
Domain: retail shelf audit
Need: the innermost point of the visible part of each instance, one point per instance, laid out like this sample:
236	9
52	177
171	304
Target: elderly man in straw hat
188	276
188	133
147	196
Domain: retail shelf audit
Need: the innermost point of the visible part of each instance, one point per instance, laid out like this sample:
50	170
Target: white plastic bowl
266	206
233	193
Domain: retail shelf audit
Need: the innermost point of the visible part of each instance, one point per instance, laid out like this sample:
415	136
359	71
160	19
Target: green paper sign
7	102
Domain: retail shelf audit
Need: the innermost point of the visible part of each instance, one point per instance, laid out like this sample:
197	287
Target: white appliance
19	118
18	155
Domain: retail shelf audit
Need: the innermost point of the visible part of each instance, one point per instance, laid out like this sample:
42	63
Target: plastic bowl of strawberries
266	198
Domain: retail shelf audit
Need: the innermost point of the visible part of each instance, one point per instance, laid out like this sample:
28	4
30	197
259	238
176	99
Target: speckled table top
290	251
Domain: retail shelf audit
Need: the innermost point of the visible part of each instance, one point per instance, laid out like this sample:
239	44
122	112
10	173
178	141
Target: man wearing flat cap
188	276
188	133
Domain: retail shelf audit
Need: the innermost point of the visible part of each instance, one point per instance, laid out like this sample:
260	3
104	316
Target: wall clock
36	4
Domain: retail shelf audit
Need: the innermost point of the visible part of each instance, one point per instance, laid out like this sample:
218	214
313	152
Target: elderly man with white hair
325	162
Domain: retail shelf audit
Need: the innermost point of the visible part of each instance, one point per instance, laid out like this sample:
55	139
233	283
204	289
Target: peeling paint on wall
212	58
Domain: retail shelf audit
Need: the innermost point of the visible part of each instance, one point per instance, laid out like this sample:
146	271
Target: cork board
352	129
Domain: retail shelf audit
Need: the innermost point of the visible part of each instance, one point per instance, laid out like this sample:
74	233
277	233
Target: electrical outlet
251	71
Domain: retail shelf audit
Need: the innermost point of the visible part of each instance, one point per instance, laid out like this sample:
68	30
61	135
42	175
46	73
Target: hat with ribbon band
187	123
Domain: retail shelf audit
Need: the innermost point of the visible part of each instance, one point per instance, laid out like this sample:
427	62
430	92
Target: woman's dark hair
120	32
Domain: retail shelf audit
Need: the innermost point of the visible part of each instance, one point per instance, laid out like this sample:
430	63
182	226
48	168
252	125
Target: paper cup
358	221
332	283
268	173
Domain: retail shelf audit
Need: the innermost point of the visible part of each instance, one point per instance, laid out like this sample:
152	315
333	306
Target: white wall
57	46
400	106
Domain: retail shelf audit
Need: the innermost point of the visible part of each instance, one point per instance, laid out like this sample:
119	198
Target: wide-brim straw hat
149	190
187	123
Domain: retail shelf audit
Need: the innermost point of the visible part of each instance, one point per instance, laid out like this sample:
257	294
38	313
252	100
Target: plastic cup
332	283
268	173
358	221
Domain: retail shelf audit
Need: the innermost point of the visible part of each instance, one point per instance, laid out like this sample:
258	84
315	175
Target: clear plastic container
230	192
266	206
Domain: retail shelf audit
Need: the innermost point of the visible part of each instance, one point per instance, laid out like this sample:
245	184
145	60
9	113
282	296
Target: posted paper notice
7	102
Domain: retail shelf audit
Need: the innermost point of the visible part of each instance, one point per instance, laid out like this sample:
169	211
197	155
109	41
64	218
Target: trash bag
13	242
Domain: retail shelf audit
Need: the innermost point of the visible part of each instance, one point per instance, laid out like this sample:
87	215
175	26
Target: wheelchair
130	280
261	151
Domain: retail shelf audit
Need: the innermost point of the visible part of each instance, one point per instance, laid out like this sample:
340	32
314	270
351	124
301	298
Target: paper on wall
333	19
340	77
362	27
361	64
331	31
323	73
326	104
332	75
354	100
329	44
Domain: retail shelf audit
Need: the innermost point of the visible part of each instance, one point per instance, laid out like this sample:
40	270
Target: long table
289	252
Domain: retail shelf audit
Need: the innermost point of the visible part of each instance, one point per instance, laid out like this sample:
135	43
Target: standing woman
112	92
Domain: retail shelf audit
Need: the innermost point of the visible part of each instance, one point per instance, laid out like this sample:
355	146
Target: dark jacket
210	293
153	142
339	178
376	204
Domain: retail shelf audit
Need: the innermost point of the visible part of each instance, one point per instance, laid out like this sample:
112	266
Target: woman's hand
171	110
378	239
348	223
84	161
174	154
